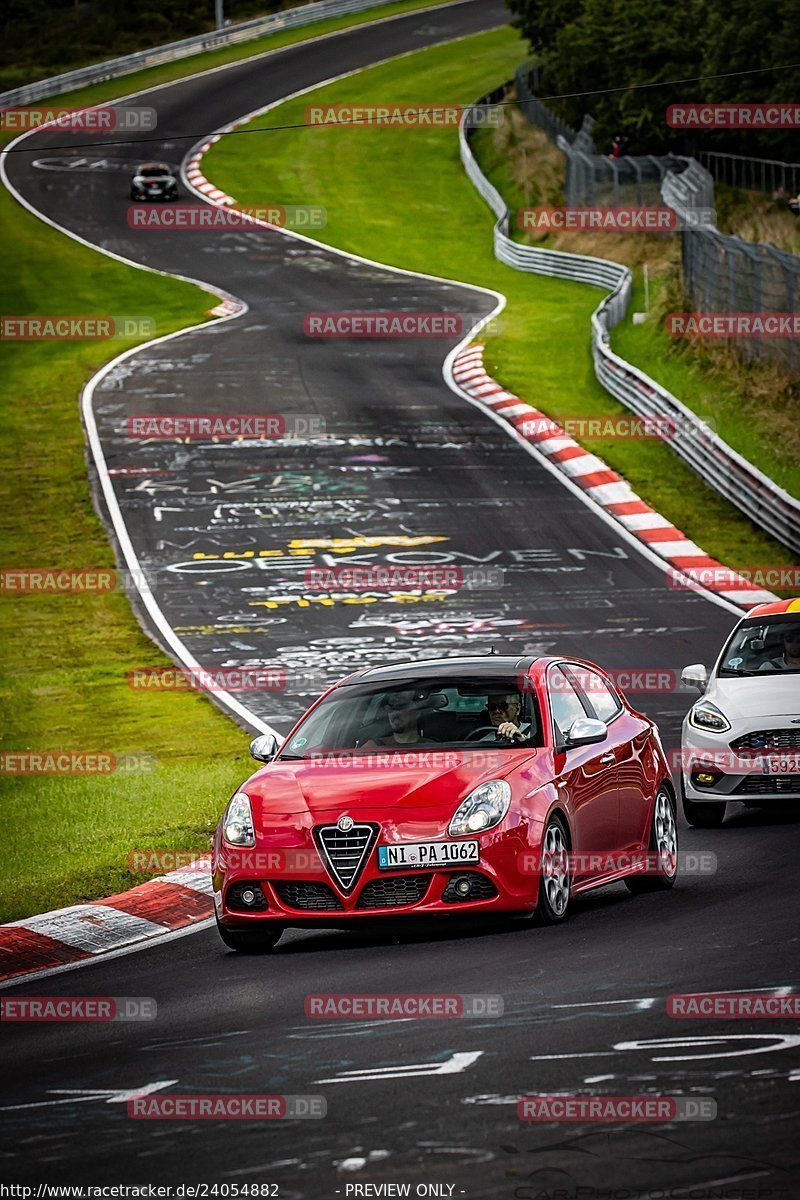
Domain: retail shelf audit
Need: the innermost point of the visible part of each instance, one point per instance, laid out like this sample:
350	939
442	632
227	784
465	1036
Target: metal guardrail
599	271
717	463
290	18
691	189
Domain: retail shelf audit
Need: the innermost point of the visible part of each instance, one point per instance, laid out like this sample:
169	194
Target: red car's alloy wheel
663	844
554	882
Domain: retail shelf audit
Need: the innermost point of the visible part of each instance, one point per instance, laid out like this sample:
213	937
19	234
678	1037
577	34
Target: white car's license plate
427	854
782	764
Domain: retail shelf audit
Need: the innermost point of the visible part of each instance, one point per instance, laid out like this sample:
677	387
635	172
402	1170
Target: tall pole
218	13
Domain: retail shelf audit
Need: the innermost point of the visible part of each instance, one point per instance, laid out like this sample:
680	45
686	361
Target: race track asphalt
585	1003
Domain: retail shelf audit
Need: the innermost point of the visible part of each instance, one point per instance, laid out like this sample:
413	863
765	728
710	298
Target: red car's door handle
608	758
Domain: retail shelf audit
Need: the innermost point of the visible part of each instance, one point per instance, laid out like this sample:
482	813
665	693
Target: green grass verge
64	658
400	196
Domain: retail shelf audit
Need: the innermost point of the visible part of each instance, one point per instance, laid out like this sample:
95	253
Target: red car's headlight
482	809
237	824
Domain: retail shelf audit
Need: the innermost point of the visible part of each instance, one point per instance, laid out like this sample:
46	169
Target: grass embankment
400	196
757	217
65	658
753	406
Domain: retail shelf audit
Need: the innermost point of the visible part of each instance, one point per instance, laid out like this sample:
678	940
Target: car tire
704	815
663	843
555	884
249	941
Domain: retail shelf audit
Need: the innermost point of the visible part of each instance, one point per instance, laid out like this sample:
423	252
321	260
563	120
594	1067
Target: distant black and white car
741	740
154	181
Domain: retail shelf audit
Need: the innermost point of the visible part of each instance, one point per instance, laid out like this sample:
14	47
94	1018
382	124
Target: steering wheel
483	731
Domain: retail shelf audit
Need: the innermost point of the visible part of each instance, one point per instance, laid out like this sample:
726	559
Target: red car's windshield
464	713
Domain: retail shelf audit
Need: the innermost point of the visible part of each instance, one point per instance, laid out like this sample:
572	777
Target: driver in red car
504	711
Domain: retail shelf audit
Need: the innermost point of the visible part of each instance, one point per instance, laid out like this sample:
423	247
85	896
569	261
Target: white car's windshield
464	713
763	647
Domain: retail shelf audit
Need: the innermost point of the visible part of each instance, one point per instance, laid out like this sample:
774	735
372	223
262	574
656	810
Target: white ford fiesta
741	739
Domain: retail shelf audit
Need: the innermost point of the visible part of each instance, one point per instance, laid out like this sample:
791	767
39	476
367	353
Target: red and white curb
198	180
604	486
86	931
196	177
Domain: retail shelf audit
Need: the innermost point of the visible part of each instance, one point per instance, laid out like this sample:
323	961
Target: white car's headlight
237	824
707	716
482	809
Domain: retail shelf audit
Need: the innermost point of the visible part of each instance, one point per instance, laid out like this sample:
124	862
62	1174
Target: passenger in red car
404	710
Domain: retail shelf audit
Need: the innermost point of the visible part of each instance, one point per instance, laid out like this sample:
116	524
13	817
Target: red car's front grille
393	891
317	897
345	852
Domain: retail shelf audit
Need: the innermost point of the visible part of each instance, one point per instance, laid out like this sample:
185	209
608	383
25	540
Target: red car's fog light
245	897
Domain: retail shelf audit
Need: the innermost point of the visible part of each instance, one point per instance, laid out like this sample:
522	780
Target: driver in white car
790	659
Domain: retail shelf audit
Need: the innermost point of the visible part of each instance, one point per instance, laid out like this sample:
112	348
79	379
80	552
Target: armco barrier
290	18
758	497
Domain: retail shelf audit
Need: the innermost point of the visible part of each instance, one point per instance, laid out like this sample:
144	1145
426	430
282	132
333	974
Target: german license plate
782	764
427	854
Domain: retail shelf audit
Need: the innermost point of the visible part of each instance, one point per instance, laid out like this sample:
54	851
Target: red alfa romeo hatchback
493	785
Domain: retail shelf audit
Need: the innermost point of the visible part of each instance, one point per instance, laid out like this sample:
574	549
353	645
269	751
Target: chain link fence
592	178
721	273
757	174
725	274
